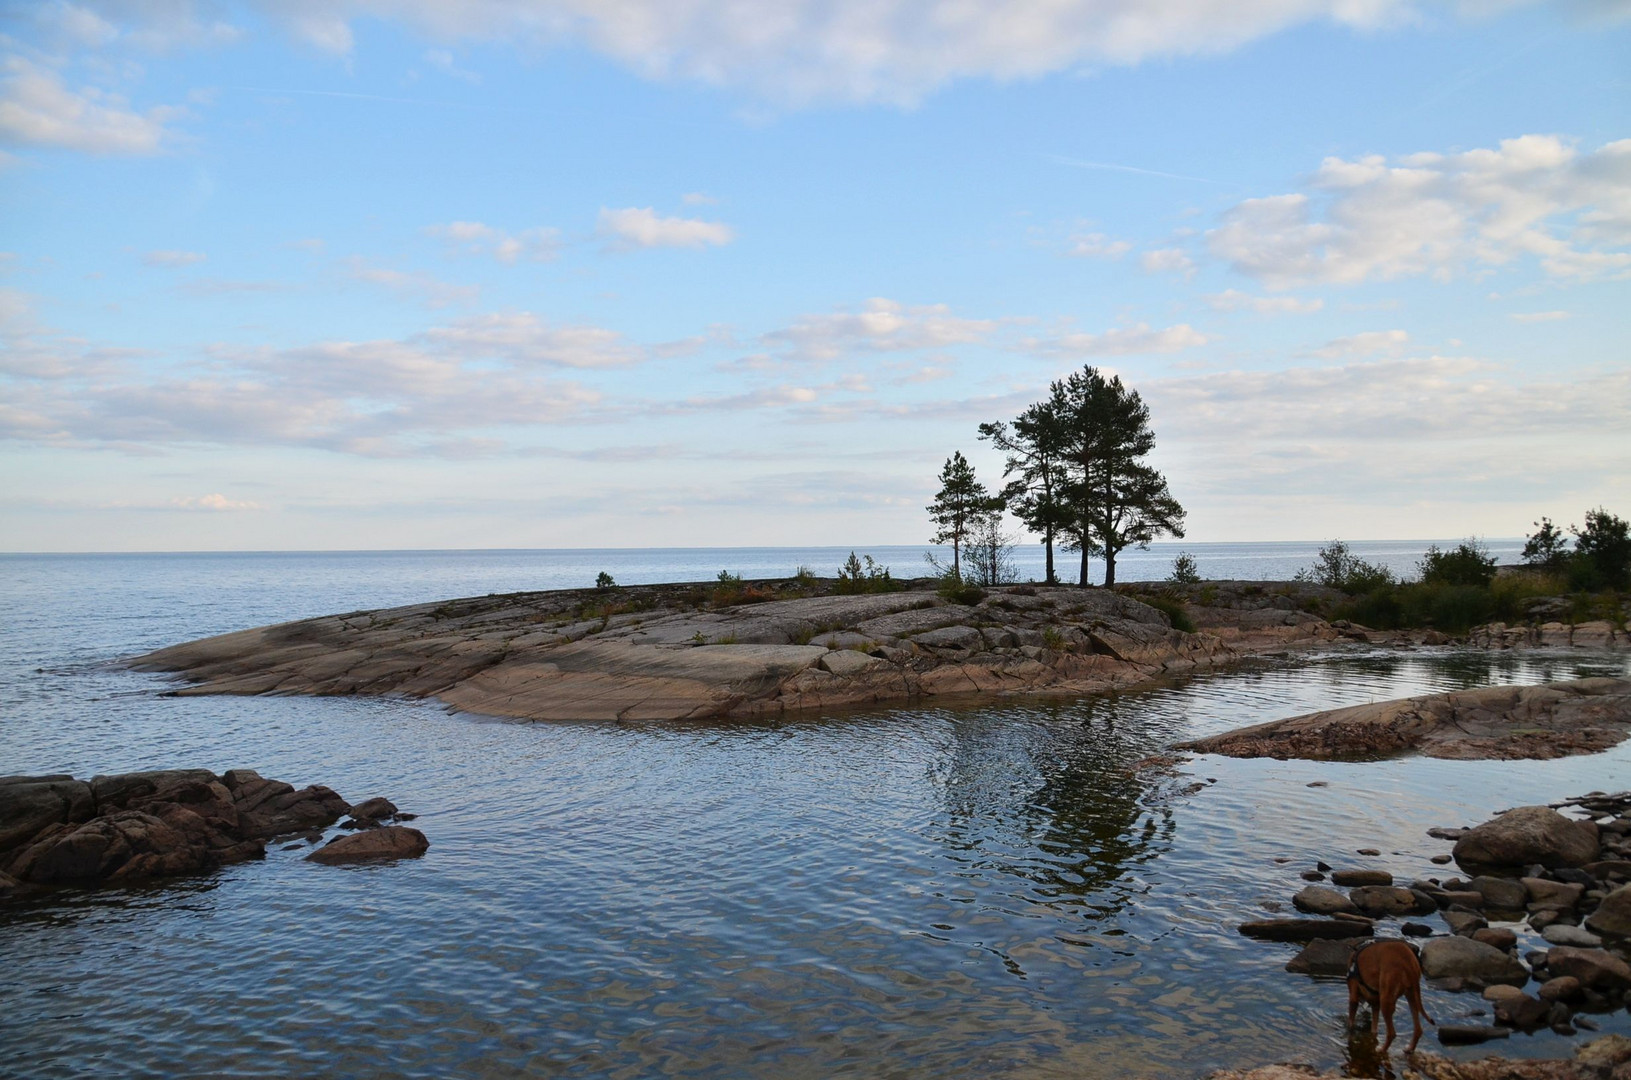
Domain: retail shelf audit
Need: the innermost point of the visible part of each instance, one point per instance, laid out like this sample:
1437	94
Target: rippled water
986	892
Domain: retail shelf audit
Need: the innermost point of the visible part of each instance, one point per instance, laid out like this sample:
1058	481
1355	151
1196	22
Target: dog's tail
1413	993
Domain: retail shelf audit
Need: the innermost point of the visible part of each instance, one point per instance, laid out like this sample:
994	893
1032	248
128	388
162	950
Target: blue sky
513	273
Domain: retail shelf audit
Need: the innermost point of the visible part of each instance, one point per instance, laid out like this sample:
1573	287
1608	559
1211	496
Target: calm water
989	892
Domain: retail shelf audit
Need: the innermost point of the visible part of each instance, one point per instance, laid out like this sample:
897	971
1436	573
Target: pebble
1368	851
1441	859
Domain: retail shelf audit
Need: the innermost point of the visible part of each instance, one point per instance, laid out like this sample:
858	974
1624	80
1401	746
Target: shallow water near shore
988	891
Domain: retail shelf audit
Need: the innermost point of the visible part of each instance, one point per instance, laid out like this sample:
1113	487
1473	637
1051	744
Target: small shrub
1053	638
958	591
1338	567
854	578
1184	570
1468	563
804	577
604	581
1174	611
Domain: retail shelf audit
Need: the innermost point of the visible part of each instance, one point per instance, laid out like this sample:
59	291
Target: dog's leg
1353	1004
1417	1014
1386	1002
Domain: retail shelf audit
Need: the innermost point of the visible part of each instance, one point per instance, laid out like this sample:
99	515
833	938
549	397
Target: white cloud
1539	316
38	109
1122	341
522	337
442	391
442	60
214	501
172	259
797	51
1368	343
429	290
474	238
1432	397
1098	246
1234	300
881	325
641	227
1534	197
1168	261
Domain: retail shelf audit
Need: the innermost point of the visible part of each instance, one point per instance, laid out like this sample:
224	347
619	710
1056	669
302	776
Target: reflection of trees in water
1050	796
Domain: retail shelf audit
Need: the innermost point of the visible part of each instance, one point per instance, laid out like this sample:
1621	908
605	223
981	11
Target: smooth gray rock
1564	934
1319	900
1613	915
1505	894
1450	957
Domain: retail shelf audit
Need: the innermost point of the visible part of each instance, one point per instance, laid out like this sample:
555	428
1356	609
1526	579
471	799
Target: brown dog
1380	973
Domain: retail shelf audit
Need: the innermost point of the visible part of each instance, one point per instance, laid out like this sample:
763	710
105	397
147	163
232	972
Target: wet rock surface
58	831
1580	716
1564	873
664	653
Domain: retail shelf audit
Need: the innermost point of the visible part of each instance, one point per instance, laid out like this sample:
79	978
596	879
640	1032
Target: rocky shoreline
1560	719
1533	871
58	831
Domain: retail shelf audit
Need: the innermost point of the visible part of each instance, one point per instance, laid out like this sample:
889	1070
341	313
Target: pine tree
962	501
1035	446
1114	499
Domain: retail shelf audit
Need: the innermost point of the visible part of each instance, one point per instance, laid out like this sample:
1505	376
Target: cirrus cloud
642	227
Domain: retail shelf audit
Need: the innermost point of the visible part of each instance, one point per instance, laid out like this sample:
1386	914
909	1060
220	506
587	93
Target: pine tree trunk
1109	567
1048	541
1082	584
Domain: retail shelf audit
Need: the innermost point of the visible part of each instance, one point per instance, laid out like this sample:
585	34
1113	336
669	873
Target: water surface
985	892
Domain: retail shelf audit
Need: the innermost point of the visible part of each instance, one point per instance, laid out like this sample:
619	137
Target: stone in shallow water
1564	934
1303	929
1351	878
388	842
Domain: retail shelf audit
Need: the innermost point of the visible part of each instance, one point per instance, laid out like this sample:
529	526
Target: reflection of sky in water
982	892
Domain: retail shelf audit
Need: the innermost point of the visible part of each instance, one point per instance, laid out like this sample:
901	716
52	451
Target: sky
365	274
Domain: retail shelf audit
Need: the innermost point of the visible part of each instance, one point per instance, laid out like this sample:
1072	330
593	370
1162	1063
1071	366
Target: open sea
912	892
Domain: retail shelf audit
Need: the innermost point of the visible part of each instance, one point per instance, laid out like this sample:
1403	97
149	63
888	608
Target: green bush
1602	552
958	591
1338	567
1174	611
604	581
1468	563
853	578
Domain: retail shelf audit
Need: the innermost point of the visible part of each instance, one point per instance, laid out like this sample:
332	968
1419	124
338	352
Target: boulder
1564	934
389	842
1463	922
1498	936
1548	893
123	846
1613	915
1324	956
1459	957
30	803
1351	878
1526	835
1383	900
1605	1053
1319	900
1595	968
373	809
1522	1012
1560	988
1504	894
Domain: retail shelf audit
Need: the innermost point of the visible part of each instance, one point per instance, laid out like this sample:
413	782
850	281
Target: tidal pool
983	892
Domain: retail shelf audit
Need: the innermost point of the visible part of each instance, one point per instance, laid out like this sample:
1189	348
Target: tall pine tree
961	503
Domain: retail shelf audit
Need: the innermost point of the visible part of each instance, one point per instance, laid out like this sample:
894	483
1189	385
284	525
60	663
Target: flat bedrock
663	653
1552	720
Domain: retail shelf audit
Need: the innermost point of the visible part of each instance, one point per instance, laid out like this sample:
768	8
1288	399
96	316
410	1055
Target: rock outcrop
55	830
672	653
1529	836
1553	720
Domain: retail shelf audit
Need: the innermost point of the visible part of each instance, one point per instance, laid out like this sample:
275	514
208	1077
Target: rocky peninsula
667	653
